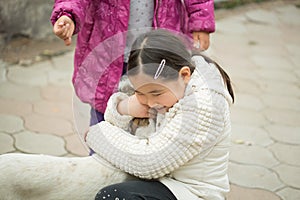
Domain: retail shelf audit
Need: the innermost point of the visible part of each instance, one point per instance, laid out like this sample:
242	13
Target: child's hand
64	28
131	106
201	40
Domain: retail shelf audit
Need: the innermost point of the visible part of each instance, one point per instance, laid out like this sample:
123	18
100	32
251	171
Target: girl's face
157	94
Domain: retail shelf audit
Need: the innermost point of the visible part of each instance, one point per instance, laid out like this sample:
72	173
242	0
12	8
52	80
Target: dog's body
35	177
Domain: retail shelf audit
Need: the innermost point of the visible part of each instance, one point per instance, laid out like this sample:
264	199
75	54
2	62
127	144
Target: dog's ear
125	86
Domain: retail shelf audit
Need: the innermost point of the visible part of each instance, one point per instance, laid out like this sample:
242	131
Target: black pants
136	190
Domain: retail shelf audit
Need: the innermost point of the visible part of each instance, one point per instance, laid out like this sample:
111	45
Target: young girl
102	27
185	154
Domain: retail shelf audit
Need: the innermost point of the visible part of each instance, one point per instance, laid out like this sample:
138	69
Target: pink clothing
101	26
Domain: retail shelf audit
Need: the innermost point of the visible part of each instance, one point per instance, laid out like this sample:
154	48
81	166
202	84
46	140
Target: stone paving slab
289	194
242	134
242	193
253	176
6	143
27	76
15	107
290	175
11	91
48	124
258	46
284	134
253	155
11	124
29	142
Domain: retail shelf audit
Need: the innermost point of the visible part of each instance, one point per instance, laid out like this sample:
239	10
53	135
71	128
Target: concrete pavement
259	46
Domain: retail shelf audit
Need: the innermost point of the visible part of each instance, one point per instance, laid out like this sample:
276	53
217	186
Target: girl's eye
156	94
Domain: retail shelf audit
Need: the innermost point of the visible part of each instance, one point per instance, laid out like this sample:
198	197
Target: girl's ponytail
224	75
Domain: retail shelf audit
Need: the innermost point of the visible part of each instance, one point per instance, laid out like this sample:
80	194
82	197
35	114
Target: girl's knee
112	192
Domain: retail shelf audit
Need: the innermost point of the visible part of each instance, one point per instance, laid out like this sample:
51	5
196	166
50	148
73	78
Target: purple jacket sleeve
201	15
71	8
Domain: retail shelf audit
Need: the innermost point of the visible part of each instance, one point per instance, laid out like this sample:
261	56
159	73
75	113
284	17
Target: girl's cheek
142	99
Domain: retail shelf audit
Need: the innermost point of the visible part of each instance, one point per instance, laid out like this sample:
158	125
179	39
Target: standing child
185	154
101	26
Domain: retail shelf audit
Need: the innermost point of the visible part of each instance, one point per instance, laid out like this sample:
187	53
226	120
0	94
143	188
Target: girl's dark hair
150	48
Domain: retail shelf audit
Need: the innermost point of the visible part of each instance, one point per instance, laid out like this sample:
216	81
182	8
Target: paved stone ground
260	49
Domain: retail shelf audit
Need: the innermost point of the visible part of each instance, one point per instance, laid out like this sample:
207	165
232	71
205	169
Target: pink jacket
101	26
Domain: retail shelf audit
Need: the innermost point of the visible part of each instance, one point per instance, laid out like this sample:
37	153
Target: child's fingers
66	29
68	41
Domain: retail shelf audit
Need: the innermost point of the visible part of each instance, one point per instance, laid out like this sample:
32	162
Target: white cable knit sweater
188	152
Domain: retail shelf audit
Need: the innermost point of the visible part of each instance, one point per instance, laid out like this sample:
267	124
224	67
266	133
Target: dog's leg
33	177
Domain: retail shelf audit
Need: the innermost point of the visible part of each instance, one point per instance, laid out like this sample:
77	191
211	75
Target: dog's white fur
35	177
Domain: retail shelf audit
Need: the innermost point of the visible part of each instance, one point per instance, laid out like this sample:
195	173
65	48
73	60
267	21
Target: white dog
36	177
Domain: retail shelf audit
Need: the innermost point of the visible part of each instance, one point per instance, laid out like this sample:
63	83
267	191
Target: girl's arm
112	114
201	15
74	9
193	125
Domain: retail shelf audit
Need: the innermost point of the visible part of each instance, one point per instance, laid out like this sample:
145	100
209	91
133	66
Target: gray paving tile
15	107
2	71
283	133
47	124
285	75
272	61
248	101
289	193
293	49
58	93
231	26
262	17
246	86
6	143
297	72
252	155
64	62
57	77
281	102
290	175
288	15
27	76
30	142
279	88
283	117
75	145
18	92
247	117
265	50
254	177
243	193
259	33
247	134
10	123
288	154
54	109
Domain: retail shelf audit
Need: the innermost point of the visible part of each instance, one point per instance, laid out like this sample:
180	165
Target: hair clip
160	68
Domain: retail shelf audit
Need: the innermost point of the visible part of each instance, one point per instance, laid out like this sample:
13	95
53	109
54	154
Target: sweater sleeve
201	15
75	9
193	125
112	115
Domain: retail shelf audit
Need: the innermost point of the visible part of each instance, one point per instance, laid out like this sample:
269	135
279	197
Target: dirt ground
25	51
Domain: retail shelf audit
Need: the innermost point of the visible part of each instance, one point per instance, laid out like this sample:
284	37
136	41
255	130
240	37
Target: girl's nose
151	103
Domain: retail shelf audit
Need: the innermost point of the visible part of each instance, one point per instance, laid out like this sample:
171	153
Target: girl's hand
64	28
131	106
201	40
